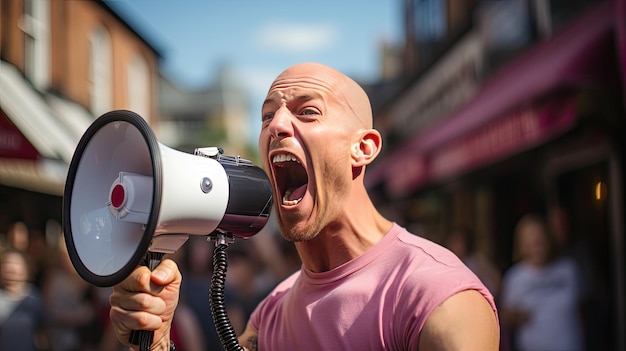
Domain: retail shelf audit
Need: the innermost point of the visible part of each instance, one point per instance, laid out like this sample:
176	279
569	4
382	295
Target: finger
125	321
166	273
137	281
138	302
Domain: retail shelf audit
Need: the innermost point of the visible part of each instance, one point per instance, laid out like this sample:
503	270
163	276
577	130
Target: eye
309	111
267	116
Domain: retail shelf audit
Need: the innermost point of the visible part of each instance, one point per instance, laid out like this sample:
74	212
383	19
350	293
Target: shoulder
272	300
281	288
33	294
430	266
286	284
466	318
424	250
566	263
432	277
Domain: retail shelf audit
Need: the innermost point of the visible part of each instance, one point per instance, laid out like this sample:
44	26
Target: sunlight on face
311	113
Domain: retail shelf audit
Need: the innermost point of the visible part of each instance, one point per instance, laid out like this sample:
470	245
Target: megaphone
127	195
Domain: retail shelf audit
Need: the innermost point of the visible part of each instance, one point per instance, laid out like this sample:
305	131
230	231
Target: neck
356	229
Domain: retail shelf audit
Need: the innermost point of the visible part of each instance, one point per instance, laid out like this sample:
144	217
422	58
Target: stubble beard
298	230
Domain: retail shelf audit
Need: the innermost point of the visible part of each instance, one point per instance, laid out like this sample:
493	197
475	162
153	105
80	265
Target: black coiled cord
223	326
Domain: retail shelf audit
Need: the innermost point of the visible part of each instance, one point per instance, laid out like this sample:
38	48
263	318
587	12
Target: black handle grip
144	338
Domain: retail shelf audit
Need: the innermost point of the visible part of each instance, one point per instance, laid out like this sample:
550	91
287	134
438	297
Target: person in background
22	317
71	305
366	283
18	236
540	300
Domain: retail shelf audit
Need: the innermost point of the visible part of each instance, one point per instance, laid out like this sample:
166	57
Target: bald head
347	91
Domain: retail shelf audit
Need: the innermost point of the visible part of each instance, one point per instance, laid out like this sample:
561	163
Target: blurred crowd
45	305
543	297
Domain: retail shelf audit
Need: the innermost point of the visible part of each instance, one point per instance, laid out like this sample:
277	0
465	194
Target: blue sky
260	38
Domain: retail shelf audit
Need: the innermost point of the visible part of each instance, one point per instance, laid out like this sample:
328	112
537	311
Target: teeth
288	202
284	158
279	158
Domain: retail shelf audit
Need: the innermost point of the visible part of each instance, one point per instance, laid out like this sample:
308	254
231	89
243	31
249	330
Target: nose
281	124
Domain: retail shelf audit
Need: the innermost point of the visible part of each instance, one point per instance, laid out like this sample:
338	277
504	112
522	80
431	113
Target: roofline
135	31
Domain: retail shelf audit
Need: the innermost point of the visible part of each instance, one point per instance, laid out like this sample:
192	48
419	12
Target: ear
366	147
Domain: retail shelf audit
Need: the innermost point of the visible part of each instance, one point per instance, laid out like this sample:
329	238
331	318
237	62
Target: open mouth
291	178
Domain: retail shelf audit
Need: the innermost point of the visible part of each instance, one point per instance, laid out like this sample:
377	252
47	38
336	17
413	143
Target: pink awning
508	135
575	57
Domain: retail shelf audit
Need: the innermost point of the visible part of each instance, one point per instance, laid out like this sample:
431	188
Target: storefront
36	148
543	133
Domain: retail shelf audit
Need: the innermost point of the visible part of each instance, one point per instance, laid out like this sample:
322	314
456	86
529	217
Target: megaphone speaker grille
105	250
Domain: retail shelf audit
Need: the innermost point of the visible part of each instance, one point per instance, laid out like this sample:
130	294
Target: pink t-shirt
377	301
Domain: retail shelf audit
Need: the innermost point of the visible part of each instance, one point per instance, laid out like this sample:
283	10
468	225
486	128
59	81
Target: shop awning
36	147
42	176
32	115
473	136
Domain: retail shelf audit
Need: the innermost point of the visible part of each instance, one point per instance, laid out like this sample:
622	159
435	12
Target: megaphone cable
224	328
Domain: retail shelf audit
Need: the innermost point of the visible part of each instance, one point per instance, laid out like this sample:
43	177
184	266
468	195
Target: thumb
166	272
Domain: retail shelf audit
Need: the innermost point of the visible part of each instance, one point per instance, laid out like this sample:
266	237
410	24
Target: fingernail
160	275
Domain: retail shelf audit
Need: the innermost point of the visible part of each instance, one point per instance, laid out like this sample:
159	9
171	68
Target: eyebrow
299	98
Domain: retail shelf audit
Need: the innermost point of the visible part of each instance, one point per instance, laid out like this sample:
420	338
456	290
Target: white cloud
294	38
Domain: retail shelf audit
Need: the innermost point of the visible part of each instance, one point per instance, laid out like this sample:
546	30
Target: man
365	282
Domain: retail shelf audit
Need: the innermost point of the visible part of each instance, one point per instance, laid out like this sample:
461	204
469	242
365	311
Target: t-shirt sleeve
420	299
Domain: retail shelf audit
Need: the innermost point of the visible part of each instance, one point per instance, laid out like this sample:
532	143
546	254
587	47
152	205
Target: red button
117	196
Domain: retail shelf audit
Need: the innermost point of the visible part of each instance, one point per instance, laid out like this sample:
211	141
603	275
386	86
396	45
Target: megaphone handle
144	338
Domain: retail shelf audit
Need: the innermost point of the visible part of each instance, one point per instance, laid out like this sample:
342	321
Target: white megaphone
127	195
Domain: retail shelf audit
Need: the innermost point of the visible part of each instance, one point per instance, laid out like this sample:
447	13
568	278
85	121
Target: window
36	26
139	87
430	20
100	71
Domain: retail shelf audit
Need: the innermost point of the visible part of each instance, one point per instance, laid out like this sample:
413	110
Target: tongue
297	193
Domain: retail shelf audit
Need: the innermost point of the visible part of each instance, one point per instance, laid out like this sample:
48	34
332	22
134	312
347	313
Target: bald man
365	283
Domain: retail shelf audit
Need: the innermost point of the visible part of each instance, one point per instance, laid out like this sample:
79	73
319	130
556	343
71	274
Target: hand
146	300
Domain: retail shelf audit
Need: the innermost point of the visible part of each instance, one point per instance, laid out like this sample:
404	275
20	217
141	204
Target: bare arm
464	321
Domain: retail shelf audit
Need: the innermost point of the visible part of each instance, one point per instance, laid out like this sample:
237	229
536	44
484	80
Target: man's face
304	143
535	245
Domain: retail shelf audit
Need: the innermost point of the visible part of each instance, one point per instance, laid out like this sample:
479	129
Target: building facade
514	107
212	115
63	64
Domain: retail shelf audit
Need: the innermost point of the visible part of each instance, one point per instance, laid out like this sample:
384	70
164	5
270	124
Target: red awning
12	143
575	57
35	145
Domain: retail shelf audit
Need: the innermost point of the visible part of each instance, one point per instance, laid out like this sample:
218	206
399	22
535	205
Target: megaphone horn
126	195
